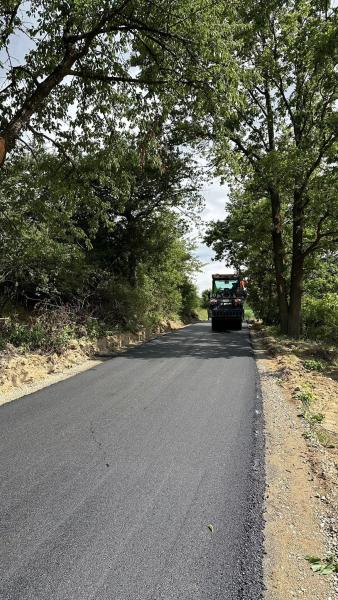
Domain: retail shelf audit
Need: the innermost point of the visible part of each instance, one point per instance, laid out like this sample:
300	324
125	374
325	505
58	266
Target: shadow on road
197	341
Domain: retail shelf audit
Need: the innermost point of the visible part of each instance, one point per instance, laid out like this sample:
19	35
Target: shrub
248	312
190	300
127	305
48	330
320	317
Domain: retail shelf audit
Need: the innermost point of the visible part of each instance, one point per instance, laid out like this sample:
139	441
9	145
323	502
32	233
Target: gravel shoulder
300	501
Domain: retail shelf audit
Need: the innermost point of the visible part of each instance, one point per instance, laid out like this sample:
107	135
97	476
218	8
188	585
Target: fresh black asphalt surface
111	479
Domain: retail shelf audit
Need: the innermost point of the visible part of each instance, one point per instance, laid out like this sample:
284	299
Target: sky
215	196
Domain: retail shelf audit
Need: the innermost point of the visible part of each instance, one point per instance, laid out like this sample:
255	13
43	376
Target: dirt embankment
23	373
301	502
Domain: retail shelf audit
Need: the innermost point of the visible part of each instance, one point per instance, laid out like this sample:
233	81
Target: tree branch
9	26
55	143
114	79
316	162
257	102
29	147
248	153
319	235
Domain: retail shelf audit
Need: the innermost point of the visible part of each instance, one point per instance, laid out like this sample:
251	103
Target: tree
105	232
279	133
84	59
243	240
205	298
139	188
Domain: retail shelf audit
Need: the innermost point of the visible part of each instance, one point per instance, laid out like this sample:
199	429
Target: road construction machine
226	301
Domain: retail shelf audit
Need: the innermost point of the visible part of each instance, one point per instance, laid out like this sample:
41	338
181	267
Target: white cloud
215	196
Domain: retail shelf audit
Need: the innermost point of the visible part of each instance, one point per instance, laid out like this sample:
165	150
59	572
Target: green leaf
328	566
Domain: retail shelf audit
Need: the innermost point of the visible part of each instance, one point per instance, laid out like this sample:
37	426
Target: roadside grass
249	314
311	364
316	355
202	314
310	369
314	419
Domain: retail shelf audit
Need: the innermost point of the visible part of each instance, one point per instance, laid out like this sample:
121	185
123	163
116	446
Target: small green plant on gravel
313	365
324	438
317	418
306	396
326	566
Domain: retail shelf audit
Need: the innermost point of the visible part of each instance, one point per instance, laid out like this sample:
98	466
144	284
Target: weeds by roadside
326	566
249	314
314	419
312	364
48	330
309	370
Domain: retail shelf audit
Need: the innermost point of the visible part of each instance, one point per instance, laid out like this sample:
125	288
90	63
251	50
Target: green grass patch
306	396
248	312
312	364
202	313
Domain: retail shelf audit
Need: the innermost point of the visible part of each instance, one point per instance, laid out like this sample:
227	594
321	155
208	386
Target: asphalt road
111	478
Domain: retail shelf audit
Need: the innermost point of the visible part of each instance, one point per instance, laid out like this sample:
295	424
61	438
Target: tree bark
277	235
278	257
297	268
295	306
132	268
12	130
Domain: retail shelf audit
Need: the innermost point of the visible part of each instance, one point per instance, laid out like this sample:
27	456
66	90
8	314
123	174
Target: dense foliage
103	105
107	240
276	142
243	240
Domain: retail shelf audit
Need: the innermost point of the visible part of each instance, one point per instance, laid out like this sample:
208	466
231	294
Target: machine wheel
239	325
214	324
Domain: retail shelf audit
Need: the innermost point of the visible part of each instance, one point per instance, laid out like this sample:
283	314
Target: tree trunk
295	306
278	258
132	269
31	105
297	269
277	237
131	237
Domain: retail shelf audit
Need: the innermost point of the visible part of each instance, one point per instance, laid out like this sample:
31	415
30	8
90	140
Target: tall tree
281	129
66	226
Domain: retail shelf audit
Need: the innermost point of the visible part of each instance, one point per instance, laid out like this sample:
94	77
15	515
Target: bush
320	317
190	300
248	312
128	306
48	330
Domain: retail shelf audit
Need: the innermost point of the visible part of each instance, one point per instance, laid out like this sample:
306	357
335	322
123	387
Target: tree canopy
104	106
89	60
277	139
